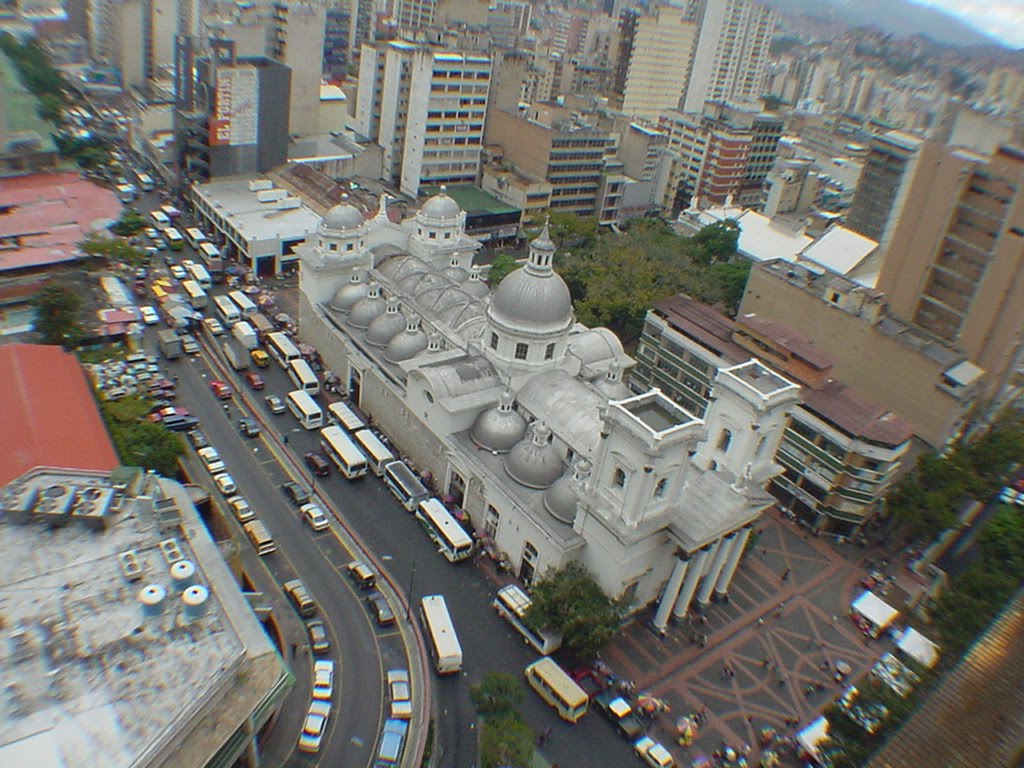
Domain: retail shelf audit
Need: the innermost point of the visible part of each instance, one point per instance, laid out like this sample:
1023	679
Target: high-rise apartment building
338	27
426	109
658	62
731	54
955	267
297	41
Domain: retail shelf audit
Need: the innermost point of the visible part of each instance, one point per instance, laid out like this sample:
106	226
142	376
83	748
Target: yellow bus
558	689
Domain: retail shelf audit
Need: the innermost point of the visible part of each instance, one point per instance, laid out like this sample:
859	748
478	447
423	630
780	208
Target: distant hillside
898	17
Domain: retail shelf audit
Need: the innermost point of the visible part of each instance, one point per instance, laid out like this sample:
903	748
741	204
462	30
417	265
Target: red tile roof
789	339
700	322
48	415
855	415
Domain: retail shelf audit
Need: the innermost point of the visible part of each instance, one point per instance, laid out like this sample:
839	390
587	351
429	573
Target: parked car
323	680
211	459
318	463
362	574
225	484
149	315
391	742
198	438
180	423
653	753
314	517
300	597
318	639
401	698
381	610
296	493
314	725
275	404
178	273
248	426
240	506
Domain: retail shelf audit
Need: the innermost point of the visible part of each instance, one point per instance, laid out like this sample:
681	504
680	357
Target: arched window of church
660	488
619	478
521	350
549	351
494	340
724	440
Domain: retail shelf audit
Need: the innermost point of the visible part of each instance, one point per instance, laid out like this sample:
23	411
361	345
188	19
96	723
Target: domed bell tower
334	254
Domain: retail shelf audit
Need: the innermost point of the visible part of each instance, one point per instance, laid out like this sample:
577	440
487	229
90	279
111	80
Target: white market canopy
813	735
875	610
919	648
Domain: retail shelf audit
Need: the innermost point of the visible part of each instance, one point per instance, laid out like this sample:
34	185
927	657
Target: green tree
497	694
569	601
114	250
57	315
139	442
570	231
506	742
131	223
1002	543
502	265
51	108
716	243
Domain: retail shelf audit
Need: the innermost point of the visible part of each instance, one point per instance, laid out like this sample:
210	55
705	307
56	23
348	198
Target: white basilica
521	415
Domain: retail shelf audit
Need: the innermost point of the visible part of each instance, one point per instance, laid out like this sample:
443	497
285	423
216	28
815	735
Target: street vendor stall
811	738
872	614
919	648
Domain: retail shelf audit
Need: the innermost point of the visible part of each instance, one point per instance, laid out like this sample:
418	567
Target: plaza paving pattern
777	662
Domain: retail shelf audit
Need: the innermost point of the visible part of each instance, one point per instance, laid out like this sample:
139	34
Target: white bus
198	273
404	484
378	454
451	538
194	236
213	260
349	460
444	643
345	417
245	305
304	409
512	603
145	182
558	689
282	349
160	219
227	312
302	377
174	239
197	298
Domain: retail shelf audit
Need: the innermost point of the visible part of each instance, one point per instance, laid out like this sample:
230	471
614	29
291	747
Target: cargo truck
246	335
170	343
237	357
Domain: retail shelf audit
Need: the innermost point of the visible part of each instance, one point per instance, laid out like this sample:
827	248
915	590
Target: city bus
161	221
198	273
194	236
174	239
451	538
444	643
345	417
212	258
378	454
194	293
403	483
512	604
282	349
145	182
226	310
245	305
558	689
302	377
304	409
349	460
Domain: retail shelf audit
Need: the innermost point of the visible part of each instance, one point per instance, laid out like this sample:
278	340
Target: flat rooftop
474	201
124	633
760	379
657	413
257	219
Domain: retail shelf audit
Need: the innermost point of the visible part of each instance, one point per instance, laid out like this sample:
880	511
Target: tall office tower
426	108
892	162
337	45
297	41
731	55
364	17
415	14
629	21
509	22
659	63
956	263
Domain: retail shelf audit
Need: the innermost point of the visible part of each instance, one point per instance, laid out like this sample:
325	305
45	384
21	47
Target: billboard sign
235	112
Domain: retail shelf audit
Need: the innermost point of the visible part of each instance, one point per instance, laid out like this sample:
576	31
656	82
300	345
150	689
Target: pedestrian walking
760	621
286	439
785	575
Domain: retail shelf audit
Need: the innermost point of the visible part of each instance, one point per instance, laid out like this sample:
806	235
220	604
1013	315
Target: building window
333	246
494	341
432	235
659	489
491	520
521	350
724	440
549	351
619	478
447	235
349	246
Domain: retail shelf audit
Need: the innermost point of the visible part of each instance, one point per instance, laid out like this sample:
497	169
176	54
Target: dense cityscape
511	384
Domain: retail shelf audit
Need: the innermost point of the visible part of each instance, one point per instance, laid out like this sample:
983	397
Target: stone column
668	599
690	585
708	584
722	587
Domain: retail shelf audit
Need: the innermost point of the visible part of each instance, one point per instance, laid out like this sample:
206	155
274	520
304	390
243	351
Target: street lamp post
408	595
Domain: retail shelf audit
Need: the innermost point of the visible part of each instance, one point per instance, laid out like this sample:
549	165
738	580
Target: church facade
520	414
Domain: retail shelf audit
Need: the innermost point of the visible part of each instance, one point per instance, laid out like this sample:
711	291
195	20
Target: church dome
385	327
534	461
499	428
343	216
366	309
408	343
534	297
440	206
561	499
347	296
474	286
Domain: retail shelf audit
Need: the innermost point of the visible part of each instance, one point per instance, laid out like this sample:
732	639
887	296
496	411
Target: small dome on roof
475	286
561	499
385	327
440	206
534	461
366	309
499	428
346	297
408	343
343	216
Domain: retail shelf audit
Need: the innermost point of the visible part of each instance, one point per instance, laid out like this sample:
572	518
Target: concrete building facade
659	63
296	39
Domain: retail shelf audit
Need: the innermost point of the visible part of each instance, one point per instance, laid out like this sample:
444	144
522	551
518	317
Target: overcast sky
1003	19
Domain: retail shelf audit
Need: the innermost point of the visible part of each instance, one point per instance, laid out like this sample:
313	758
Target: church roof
570	407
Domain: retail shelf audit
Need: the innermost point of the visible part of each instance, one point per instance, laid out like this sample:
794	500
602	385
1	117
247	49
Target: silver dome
385	327
534	461
499	428
346	297
366	309
531	300
475	287
343	216
612	385
561	499
440	206
408	343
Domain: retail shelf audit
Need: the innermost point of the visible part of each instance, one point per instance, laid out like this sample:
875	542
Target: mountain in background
897	17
